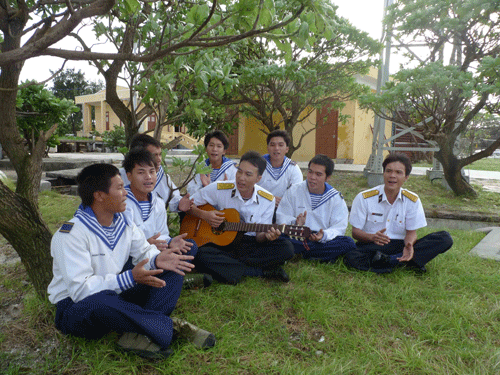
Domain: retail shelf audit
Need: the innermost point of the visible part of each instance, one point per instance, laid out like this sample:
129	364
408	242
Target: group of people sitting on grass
116	267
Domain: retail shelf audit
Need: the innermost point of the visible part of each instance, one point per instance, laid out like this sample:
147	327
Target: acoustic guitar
202	233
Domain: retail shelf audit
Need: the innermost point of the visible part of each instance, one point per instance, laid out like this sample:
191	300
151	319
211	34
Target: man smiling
317	205
216	145
385	221
145	208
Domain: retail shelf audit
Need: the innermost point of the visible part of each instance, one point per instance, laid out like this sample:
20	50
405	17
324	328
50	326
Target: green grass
486	164
327	320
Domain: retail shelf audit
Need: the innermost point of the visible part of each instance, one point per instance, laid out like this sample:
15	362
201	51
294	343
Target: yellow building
349	142
105	119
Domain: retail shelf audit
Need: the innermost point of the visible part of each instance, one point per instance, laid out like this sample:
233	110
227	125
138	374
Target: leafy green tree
281	82
451	82
30	29
67	85
179	29
40	112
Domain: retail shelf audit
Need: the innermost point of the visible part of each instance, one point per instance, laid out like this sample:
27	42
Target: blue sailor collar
151	198
216	173
329	193
276	173
159	175
109	236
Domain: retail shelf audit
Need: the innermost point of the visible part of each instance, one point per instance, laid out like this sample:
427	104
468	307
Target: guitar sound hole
219	229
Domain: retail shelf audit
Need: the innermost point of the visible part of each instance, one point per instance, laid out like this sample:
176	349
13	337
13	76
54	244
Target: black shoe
277	273
197	280
142	346
414	267
380	260
199	337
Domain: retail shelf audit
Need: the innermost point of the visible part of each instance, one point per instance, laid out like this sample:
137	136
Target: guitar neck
249	227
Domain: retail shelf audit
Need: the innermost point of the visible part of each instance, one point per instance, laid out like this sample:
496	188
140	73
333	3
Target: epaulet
66	227
410	196
265	194
225	185
370	193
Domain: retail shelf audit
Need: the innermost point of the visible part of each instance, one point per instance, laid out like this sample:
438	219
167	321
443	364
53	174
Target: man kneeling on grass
92	293
385	220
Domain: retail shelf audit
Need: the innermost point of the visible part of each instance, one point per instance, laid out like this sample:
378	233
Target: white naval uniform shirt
227	171
155	223
85	262
277	182
372	212
258	209
164	185
330	215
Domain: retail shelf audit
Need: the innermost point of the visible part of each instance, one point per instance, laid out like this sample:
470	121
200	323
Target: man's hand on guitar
214	218
179	245
272	234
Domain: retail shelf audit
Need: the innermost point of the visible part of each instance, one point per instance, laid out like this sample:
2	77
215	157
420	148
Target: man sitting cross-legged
93	295
385	220
317	205
257	254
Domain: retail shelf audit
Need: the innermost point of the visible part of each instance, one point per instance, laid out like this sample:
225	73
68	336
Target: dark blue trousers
425	249
228	264
142	309
324	252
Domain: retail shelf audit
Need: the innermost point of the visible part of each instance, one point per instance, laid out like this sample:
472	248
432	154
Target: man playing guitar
258	253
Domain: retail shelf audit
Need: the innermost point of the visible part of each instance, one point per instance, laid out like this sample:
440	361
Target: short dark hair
402	158
143	141
219	135
137	156
279	133
95	177
254	158
325	161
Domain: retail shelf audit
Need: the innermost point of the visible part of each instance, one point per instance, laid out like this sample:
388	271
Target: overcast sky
364	14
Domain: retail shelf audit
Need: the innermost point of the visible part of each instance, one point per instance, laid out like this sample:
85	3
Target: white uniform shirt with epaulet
86	261
330	215
155	223
372	212
258	209
227	171
279	181
164	185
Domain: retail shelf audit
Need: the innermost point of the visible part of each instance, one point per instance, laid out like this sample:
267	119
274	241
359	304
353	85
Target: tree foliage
38	111
281	82
69	84
445	86
29	29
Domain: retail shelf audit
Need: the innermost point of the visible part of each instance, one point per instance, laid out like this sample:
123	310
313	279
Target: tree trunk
20	220
453	171
22	225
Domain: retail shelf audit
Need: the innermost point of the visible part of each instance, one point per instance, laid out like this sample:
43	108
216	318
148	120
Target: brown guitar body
202	233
